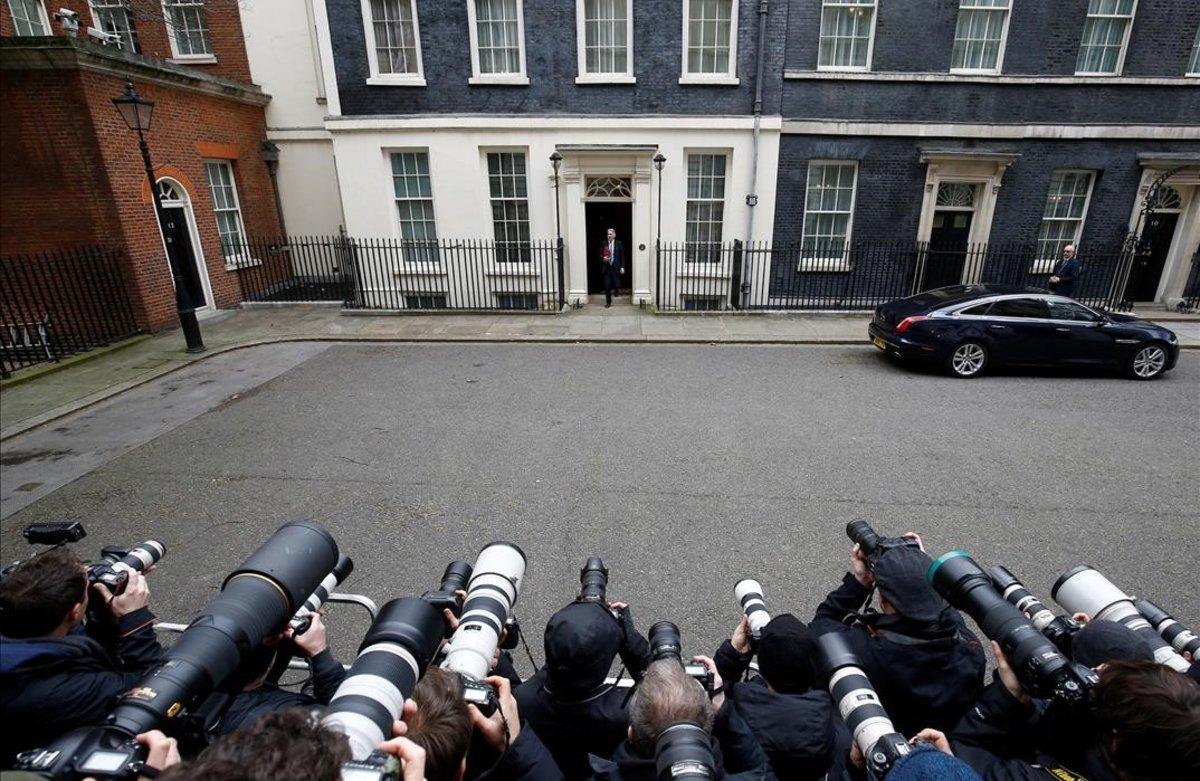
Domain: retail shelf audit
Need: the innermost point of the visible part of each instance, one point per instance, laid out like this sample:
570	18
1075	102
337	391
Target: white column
642	259
575	234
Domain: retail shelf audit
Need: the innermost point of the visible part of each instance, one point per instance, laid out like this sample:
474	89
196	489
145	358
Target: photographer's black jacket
248	706
800	733
927	675
1000	737
51	685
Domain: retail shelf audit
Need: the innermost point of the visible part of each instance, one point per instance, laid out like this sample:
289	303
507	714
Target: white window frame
42	15
240	260
1120	66
1193	66
693	256
423	259
520	78
999	68
191	59
378	78
1045	265
819	264
730	77
132	21
583	77
870	40
521	257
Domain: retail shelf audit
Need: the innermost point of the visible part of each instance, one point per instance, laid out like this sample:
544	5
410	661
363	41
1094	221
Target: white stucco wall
457	148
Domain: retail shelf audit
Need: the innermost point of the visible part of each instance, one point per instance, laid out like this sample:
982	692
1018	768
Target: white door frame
984	170
184	202
1187	229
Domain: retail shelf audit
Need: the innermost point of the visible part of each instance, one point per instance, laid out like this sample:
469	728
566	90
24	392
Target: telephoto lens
491	593
1176	634
257	600
749	594
593	580
871	544
445	597
393	656
115	564
872	730
683	752
1057	629
303	618
1040	666
1084	589
665	643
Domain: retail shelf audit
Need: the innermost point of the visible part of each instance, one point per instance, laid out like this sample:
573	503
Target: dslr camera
665	644
872	545
115	562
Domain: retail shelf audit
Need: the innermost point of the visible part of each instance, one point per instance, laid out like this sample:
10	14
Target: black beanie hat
785	655
1107	641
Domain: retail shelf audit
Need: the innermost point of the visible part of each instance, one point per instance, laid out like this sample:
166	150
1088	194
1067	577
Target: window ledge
843	69
985	78
397	80
697	271
503	79
236	262
605	78
709	79
526	271
407	269
820	265
193	59
975	72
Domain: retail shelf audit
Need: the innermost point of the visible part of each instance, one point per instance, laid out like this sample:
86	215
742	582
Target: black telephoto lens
1059	630
456	576
683	752
594	580
861	532
1042	669
665	642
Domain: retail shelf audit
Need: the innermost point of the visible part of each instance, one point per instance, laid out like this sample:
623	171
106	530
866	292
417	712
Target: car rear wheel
968	360
1148	361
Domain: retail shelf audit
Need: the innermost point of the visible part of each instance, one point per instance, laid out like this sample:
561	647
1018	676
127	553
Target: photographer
666	696
797	726
1143	723
567	700
927	665
56	673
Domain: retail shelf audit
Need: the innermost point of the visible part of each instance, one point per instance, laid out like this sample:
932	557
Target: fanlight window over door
609	188
1167	198
956	195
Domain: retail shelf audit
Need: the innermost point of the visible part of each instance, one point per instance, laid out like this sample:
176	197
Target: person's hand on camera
856	757
717	682
411	756
492	727
859	568
448	616
135	596
740	640
313	641
1007	676
161	752
934	738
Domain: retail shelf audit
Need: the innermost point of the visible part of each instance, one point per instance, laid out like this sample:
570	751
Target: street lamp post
137	113
659	160
556	161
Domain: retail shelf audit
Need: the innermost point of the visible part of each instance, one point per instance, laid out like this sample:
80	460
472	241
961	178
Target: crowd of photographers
898	691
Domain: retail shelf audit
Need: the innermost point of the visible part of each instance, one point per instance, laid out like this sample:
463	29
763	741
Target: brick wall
224	28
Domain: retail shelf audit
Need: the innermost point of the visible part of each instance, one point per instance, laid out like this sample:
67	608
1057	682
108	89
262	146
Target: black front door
602	215
1148	266
179	240
947	248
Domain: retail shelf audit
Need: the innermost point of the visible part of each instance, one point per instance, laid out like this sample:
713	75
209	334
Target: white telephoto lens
749	594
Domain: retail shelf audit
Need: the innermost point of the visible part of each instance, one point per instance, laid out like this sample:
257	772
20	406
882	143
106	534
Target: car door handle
996	327
1062	328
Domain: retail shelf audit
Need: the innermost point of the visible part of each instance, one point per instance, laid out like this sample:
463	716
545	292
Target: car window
1019	307
1065	310
976	310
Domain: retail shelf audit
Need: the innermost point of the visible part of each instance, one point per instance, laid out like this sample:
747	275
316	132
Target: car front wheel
1148	361
969	359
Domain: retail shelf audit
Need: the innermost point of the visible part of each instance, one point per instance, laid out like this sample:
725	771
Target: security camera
100	36
68	19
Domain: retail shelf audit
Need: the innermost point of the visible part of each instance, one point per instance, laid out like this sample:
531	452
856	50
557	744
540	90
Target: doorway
947	248
178	232
600	216
1147	270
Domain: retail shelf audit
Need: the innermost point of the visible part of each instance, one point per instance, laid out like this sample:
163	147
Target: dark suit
1067	272
612	268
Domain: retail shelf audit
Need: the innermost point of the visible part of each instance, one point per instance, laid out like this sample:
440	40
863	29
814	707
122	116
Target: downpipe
752	195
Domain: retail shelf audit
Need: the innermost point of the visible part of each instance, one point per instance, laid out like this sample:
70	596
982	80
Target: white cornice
533	122
835	127
991	78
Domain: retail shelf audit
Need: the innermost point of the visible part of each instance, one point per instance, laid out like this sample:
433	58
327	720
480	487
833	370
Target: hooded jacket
567	702
927	674
52	685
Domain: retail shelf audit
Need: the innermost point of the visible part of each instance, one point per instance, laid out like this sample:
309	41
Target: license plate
882	345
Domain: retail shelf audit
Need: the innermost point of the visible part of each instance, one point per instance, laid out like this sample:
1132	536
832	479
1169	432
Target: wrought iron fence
55	304
1191	288
858	276
398	274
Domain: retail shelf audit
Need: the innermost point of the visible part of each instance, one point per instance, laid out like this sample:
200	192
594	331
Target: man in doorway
1065	273
612	261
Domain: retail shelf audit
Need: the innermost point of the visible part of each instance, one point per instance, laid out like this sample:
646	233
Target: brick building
71	173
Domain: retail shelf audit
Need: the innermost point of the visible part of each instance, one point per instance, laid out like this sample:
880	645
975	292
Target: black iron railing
1191	288
843	276
55	304
397	274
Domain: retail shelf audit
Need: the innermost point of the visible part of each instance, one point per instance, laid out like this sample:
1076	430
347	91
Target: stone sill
984	78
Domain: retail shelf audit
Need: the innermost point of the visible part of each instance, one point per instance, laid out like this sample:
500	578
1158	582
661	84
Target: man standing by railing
612	259
1065	273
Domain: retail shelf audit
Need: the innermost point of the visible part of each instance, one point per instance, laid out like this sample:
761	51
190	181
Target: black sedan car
967	328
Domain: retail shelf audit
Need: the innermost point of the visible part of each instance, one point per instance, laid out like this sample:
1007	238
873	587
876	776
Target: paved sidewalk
27	405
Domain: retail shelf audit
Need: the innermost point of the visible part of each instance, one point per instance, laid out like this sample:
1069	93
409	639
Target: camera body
872	545
104	753
479	694
445	596
377	766
116	563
